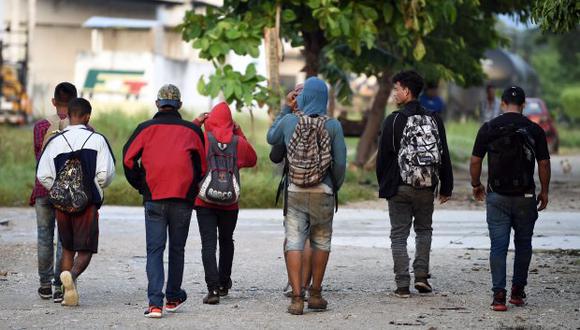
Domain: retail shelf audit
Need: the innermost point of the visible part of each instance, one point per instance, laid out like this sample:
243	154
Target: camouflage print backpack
419	155
70	193
309	151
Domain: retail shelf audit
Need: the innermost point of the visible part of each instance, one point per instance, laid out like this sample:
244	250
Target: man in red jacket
221	132
164	160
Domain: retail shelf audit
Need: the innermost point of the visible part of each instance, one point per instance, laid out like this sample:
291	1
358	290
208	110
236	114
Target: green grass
569	137
460	139
259	184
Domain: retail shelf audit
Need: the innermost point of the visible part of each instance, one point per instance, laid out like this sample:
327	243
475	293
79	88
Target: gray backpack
221	183
419	155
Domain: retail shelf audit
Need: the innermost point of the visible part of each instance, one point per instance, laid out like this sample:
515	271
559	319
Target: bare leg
294	268
319	261
306	265
67	261
81	263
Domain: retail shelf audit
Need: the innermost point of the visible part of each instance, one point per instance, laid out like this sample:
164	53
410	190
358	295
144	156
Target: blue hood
314	97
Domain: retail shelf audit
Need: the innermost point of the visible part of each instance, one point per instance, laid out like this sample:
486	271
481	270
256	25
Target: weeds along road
358	283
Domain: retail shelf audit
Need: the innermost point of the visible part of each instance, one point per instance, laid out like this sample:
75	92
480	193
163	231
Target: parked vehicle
537	112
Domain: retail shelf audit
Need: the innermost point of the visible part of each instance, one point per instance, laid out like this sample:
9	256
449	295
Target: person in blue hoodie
311	203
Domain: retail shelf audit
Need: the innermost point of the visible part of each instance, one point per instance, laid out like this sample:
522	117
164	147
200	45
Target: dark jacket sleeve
446	170
385	151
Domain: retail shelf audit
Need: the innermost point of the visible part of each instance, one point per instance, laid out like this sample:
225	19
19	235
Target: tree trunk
272	43
314	41
368	143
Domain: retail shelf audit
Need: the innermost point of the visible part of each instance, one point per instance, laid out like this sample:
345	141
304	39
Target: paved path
358	284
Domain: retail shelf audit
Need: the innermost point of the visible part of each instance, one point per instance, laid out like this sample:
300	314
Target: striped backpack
309	151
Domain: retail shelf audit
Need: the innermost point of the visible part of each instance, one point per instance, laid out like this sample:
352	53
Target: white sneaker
71	296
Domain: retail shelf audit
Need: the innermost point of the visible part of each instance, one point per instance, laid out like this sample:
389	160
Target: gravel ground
358	285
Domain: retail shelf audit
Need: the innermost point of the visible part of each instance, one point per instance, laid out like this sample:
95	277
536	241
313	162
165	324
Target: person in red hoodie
217	206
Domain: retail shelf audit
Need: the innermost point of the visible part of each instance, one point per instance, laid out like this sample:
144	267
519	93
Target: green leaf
250	71
387	12
201	86
419	51
214	50
288	15
233	34
228	89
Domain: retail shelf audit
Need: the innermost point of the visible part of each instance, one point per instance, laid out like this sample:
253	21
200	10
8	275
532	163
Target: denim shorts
309	216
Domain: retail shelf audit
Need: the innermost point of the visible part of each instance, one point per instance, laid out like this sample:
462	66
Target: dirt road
358	284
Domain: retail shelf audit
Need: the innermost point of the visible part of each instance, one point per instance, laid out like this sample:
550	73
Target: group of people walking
179	165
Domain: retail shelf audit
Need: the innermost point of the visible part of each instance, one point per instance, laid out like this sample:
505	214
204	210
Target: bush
571	101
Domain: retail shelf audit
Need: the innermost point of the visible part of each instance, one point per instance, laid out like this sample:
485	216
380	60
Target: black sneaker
57	295
498	303
518	296
212	297
45	292
423	286
403	292
224	289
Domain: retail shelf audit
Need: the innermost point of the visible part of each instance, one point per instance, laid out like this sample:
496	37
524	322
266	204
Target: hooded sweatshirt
312	101
221	125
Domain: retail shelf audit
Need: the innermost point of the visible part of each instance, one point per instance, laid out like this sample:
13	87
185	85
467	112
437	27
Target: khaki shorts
309	216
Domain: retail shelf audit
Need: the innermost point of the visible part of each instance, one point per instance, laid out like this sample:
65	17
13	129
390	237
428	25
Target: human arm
246	154
338	154
479	151
105	169
276	132
544	172
131	159
46	171
446	170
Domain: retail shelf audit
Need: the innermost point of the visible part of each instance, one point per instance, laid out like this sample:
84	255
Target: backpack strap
87	140
64	137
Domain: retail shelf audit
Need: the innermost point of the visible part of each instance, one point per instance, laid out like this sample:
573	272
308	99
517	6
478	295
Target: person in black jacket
413	159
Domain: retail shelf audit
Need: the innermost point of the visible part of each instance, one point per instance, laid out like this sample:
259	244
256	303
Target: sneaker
224	289
403	292
174	305
498	303
518	295
212	297
57	297
296	306
154	312
71	296
315	300
423	286
45	292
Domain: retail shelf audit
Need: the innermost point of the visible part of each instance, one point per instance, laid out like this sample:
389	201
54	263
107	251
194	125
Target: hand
291	99
236	127
443	199
479	193
202	117
542	200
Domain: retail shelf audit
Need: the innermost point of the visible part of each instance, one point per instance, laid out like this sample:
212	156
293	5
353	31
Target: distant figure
491	106
513	145
431	100
76	150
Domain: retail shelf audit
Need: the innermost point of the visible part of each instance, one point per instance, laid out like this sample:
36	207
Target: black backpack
511	160
221	183
70	193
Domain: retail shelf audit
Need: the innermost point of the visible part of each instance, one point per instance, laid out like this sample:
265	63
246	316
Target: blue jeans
161	218
48	267
503	214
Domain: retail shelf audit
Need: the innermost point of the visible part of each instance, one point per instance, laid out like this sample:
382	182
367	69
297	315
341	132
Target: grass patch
259	185
460	139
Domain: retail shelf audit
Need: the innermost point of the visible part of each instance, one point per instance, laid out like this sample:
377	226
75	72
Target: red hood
220	123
